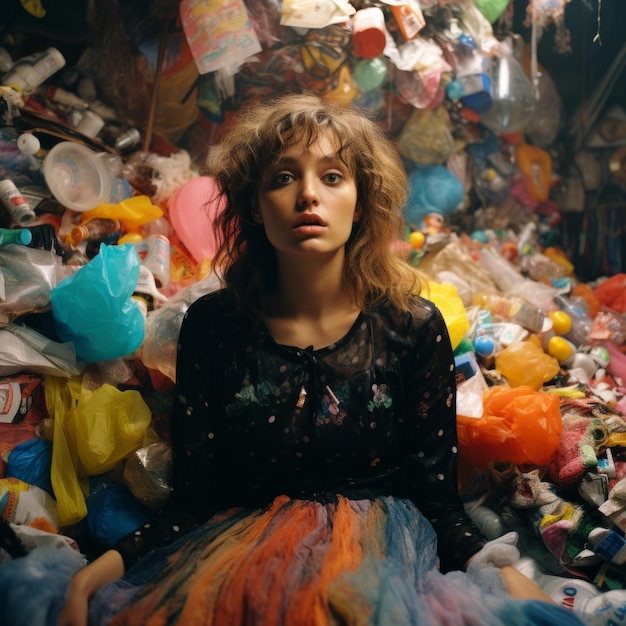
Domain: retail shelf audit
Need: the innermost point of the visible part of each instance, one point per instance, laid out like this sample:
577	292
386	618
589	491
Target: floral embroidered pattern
382	398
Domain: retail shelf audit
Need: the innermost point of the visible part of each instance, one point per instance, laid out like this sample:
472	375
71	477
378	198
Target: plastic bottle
13	201
154	253
31	71
98	229
368	32
513	100
576	309
594	606
511	308
21	236
132	212
487	521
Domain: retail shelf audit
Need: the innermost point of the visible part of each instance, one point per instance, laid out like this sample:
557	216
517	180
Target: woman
314	420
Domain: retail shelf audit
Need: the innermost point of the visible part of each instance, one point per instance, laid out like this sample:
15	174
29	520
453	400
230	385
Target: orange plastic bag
519	425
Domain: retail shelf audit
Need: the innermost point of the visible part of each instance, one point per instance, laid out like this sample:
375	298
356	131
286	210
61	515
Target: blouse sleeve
432	440
196	366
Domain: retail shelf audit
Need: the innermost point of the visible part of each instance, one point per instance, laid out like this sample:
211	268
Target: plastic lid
25	236
76	175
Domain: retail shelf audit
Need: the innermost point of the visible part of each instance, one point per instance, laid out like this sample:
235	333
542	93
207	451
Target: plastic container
511	308
154	253
576	309
21	236
512	97
487	521
594	606
81	178
30	72
368	33
13	201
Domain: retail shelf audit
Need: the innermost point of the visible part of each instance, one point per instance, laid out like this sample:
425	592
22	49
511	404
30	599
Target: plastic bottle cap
28	144
561	322
25	236
484	345
560	349
369	36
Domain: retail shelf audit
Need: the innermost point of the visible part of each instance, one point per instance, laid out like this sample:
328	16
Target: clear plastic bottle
578	312
594	606
511	308
97	229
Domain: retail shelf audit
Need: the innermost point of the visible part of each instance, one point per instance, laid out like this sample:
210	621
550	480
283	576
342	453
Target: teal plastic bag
93	308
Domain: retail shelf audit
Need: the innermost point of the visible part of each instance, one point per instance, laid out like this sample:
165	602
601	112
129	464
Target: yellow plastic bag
448	301
525	363
93	431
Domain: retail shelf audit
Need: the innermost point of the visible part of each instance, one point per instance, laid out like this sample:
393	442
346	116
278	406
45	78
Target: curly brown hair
259	136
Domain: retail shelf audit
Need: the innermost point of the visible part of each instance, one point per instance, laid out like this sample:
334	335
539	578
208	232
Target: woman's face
307	200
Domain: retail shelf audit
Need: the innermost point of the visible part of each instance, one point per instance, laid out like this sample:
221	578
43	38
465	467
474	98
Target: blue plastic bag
93	308
432	189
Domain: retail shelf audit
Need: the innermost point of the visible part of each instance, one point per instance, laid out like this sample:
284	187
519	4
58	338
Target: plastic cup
77	176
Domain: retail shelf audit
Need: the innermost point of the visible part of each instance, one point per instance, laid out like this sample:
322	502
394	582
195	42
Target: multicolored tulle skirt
305	563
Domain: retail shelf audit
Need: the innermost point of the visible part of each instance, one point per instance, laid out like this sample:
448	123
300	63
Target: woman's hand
84	585
75	609
521	587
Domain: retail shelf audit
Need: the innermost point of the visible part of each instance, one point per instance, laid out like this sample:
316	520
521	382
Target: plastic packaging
148	474
81	178
513	101
519	425
524	363
93	432
93	307
14	203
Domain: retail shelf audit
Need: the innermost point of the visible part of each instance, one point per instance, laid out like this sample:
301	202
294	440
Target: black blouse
371	414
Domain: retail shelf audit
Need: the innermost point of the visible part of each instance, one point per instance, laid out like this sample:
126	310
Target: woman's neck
310	307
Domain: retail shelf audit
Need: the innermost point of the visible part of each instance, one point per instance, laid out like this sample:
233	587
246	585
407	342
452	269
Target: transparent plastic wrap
148	474
162	326
27	276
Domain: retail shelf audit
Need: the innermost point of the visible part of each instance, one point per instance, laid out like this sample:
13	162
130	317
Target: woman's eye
334	177
282	178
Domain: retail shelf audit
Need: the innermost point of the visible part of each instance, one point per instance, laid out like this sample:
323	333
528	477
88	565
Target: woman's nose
308	193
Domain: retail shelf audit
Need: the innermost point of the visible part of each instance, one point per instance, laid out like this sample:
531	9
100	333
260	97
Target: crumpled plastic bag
446	297
93	307
525	363
92	432
519	425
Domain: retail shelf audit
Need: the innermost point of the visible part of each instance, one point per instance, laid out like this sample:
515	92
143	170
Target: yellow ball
561	322
560	349
417	239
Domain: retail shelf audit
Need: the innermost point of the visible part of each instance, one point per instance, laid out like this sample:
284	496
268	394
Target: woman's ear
256	215
358	211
